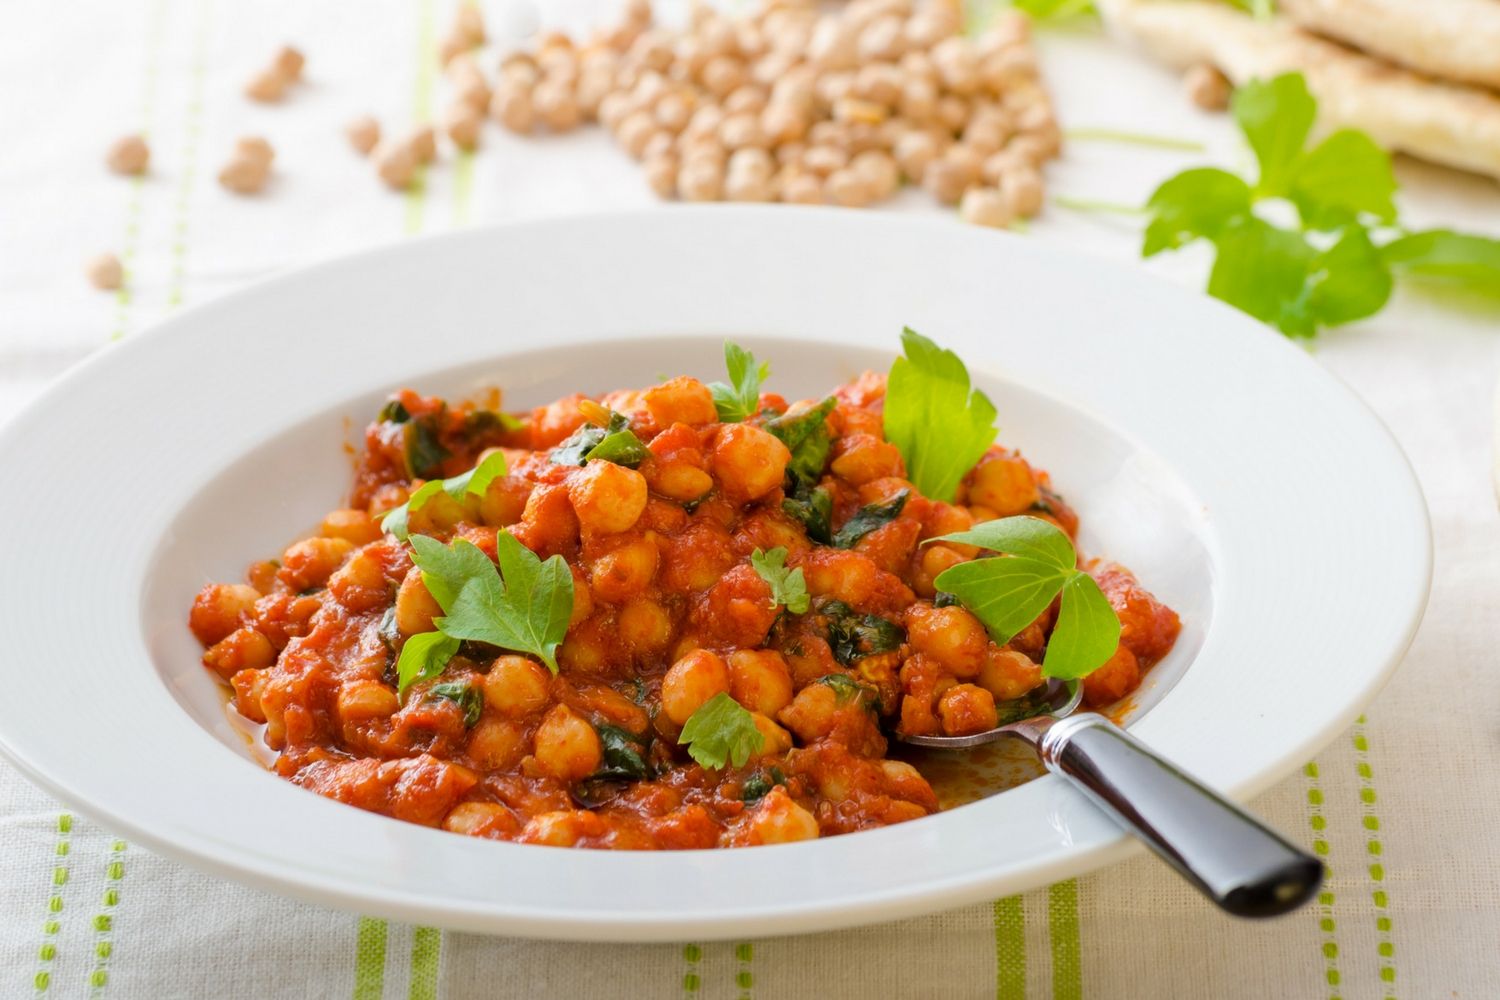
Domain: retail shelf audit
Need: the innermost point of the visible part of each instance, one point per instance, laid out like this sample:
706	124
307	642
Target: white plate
1248	488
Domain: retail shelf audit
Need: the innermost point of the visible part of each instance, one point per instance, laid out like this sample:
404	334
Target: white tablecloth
1403	807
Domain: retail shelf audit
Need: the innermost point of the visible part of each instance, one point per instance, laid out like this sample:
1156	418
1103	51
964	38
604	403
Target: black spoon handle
1235	860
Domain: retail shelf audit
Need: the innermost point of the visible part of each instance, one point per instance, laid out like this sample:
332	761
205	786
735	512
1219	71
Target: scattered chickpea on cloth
249	167
270	84
104	272
128	155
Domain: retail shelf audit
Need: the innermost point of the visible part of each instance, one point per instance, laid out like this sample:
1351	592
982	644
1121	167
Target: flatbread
1448	123
1455	40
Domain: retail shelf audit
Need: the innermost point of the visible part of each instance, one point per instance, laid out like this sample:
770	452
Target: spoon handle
1246	868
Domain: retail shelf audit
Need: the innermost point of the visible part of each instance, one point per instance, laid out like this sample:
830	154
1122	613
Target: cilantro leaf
721	731
740	399
1441	255
423	657
1263	271
868	518
523	606
806	436
1008	593
1276	116
1344	176
1195	203
614	442
472	483
788	588
813	509
466	696
939	424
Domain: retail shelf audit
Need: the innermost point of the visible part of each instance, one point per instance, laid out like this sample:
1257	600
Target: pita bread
1448	123
1450	39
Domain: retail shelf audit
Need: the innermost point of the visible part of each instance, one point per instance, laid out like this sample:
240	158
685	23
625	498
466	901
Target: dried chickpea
422	141
801	188
556	105
985	206
395	164
268	86
755	163
880	170
950	175
105	272
289	62
824	160
747	99
511	106
636	131
363	134
1022	188
256	148
850	188
661	174
244	175
915	152
723	74
462	124
743	130
700	181
1206	87
128	155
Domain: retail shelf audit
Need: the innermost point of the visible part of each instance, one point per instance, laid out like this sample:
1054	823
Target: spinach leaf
868	518
848	689
394	413
624	757
615	442
465	695
853	636
813	509
759	784
806	436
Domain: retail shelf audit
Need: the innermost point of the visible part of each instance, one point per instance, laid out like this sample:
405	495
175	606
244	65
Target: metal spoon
1235	860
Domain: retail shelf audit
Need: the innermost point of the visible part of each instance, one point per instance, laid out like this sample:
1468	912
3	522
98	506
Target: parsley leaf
466	696
614	442
523	606
1343	176
1195	203
940	426
721	731
806	436
1276	117
1009	593
740	399
1457	260
868	518
813	509
787	585
472	483
423	657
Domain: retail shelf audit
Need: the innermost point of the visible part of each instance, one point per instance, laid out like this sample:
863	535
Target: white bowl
1244	485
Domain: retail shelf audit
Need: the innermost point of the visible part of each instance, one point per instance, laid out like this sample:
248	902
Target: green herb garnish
524	605
1010	592
465	695
806	436
624	757
755	787
848	689
939	423
868	518
740	399
813	509
423	657
788	588
614	442
721	731
853	636
472	483
1337	264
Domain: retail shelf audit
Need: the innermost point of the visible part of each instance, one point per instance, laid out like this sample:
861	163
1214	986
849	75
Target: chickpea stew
685	616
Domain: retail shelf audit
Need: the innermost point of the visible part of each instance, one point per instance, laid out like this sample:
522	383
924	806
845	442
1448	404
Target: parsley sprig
939	423
721	731
1338	262
788	588
1009	593
740	398
523	605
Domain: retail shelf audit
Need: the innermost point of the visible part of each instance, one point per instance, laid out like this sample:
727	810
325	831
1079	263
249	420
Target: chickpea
661	174
462	124
1030	149
779	820
851	189
607	498
1005	484
556	106
918	100
747	186
704	123
242	649
782	123
1206	87
566	746
743	130
700	181
1008	674
128	155
681	400
364	699
244	175
475	819
749	462
690	682
882	38
504	501
997	165
636	131
824	160
928	27
105	272
673	112
453	46
951	637
625	571
915	152
363	134
965	709
1008	69
983	206
937	558
310	562
722	75
360	584
1022	188
749	99
513	108
760	680
516	686
834	45
777	740
957	65
801	188
879	169
289	63
415	605
949	176
644	626
268	86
